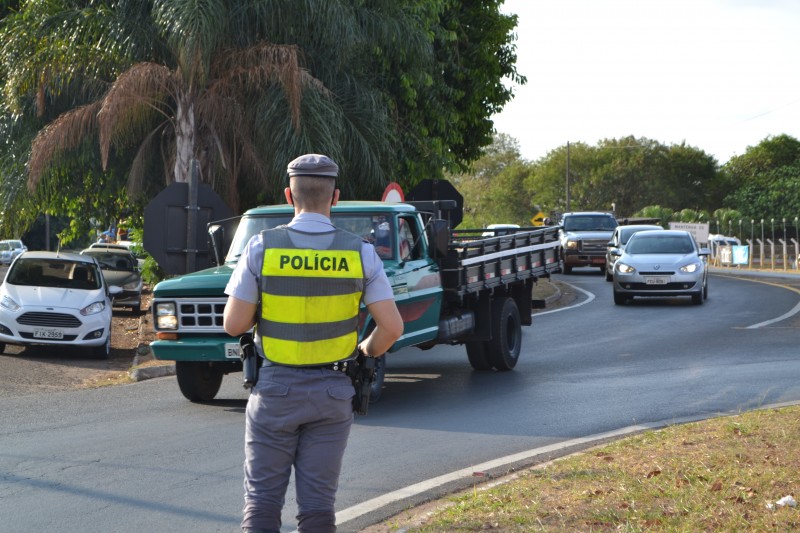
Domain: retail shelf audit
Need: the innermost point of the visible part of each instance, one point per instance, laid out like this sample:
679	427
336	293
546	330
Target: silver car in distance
661	263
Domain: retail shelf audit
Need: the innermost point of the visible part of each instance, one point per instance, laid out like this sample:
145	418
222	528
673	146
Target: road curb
140	373
555	296
149	372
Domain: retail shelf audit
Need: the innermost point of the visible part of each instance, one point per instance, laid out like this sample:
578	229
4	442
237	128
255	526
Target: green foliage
765	181
663	214
401	90
755	164
628	173
494	188
151	272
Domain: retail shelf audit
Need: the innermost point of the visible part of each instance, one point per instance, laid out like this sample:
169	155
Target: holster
362	372
250	361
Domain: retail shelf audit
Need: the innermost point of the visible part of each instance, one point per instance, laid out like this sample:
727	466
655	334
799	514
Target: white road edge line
355	511
589	298
351	513
784	316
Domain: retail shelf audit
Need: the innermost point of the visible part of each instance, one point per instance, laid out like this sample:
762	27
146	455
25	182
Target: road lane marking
589	297
793	311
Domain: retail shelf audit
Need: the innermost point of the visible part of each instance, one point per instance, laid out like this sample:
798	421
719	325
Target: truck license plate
598	260
232	350
48	334
656	280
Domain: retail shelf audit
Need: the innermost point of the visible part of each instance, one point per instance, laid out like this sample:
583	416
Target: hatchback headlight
622	268
9	303
93	309
694	267
165	316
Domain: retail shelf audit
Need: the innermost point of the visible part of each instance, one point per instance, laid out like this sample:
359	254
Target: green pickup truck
451	288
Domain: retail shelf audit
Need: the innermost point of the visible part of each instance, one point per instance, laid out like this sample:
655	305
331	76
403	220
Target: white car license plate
656	280
232	350
48	334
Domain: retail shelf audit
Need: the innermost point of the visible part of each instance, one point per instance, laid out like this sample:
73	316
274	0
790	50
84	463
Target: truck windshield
589	223
375	229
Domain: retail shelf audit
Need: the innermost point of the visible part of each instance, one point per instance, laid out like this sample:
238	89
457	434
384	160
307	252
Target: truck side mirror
216	236
438	237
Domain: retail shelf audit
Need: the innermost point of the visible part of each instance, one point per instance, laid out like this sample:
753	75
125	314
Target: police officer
301	286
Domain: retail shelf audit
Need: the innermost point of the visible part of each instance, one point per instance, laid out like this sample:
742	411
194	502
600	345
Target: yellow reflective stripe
311	309
310	353
312	263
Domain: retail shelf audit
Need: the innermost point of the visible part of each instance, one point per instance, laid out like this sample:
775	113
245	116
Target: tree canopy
393	91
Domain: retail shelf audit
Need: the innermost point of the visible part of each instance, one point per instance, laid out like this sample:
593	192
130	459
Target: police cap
313	165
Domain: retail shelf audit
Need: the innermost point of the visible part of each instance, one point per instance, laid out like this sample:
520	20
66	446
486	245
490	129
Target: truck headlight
572	245
166	318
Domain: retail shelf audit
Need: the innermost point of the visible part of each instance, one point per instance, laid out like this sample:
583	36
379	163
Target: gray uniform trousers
297	417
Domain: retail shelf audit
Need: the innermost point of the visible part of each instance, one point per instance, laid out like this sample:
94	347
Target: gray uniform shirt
244	280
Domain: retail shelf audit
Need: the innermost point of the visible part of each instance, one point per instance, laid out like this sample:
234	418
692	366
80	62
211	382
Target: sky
718	75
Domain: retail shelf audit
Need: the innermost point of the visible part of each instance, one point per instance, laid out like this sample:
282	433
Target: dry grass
723	474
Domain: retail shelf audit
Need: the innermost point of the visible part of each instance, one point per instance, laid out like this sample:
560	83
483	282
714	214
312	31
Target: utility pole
568	208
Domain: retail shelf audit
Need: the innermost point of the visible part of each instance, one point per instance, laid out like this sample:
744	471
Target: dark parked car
120	269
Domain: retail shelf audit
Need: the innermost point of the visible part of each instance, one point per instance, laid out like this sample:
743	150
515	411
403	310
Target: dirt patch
38	369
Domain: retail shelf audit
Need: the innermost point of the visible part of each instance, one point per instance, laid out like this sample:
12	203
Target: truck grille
53	320
201	315
594	245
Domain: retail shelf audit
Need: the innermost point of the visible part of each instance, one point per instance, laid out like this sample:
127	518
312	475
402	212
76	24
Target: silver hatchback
661	263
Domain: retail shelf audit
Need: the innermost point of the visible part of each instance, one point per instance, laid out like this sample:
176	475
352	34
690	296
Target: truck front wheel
199	382
506	342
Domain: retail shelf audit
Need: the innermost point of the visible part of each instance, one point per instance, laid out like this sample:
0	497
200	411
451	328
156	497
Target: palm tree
197	80
189	105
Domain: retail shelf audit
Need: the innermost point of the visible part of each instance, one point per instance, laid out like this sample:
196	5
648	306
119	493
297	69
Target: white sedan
57	299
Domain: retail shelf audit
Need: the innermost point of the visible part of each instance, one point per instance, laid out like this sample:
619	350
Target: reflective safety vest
310	299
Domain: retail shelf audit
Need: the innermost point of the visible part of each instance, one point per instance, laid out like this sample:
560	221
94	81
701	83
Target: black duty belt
339	366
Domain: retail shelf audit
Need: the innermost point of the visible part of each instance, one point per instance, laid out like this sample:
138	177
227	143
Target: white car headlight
694	267
165	316
9	303
572	245
93	309
622	268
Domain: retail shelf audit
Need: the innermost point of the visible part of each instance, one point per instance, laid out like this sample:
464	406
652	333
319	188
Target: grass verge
723	474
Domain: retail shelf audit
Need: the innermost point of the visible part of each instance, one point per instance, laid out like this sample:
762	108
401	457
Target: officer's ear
335	198
287	192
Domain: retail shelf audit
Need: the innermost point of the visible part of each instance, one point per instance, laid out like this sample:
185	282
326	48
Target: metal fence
772	243
759	255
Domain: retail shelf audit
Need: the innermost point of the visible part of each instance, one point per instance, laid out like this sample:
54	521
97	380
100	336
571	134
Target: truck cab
188	310
584	237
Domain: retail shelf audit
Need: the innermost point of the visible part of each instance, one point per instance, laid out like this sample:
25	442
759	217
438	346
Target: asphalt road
140	458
